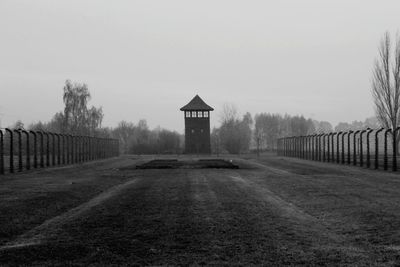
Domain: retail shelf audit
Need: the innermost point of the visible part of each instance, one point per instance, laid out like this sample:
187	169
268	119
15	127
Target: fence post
300	150
28	152
89	152
361	147
108	146
63	148
355	147
79	150
92	148
377	148
19	149
94	141
53	153
72	149
385	157
83	144
41	149
306	145
286	146
1	152
338	147
294	146
324	147
47	149
343	137
307	149
394	158
329	148
76	144
348	147
86	148
11	167
83	148
58	148
368	148
34	149
319	148
298	146
333	147
66	148
104	141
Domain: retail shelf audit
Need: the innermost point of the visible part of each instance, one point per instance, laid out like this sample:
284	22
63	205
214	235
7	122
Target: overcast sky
146	59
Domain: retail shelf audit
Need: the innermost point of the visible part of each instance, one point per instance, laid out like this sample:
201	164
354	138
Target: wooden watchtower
197	126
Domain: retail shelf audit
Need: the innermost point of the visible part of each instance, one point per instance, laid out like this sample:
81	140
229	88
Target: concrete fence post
333	147
53	148
394	146
377	147
323	148
34	149
368	148
18	131
385	156
361	147
28	151
355	147
1	152
47	148
343	138
349	147
338	147
11	150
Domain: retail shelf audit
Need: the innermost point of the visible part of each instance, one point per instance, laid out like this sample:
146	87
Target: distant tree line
243	134
78	118
236	134
139	139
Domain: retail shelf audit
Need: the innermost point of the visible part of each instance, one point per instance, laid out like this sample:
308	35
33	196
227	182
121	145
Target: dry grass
271	211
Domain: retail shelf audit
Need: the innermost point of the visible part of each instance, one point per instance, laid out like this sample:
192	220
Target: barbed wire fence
370	148
22	150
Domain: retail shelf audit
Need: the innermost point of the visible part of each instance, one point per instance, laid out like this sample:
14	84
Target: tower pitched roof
197	104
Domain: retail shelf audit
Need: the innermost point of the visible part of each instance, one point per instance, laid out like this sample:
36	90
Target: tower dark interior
197	126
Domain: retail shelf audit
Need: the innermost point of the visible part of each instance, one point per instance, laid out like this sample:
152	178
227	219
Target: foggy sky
146	59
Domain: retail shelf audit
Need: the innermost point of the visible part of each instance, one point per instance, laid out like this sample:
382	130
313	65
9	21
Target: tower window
205	114
187	114
194	114
201	130
192	130
200	114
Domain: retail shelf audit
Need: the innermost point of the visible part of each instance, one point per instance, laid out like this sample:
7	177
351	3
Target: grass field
271	211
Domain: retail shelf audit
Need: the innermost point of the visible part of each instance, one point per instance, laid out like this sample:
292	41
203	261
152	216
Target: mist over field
145	60
209	133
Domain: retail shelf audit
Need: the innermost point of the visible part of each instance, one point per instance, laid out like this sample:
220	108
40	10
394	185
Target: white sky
146	59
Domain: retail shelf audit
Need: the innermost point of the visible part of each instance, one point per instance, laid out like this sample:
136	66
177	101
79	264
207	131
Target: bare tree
386	83
228	113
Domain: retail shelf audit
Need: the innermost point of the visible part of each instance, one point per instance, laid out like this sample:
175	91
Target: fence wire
371	148
22	150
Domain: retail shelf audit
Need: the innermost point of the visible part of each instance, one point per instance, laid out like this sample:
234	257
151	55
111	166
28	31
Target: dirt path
272	211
